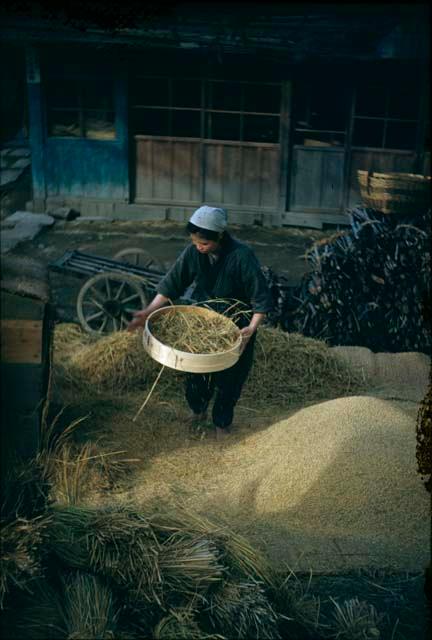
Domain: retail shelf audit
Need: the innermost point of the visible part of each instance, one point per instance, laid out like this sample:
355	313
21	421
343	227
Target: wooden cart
114	288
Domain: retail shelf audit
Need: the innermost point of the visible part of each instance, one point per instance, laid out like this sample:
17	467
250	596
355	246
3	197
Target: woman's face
204	246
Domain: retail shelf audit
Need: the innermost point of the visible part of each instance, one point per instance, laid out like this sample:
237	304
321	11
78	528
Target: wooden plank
186	170
306	178
181	171
196	162
270	168
376	160
143	169
162	162
21	341
214	173
232	175
251	176
285	146
332	180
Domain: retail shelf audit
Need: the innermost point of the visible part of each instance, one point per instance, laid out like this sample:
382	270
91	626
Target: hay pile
115	363
288	368
202	332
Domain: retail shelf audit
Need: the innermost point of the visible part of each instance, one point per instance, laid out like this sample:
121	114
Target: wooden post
122	125
284	141
36	128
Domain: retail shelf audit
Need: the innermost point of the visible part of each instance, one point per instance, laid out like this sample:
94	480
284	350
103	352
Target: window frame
80	109
206	110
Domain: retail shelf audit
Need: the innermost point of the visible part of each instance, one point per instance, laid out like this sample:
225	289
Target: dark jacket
236	275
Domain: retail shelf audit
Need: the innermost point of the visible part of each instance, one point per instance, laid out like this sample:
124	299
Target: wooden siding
373	160
167	170
316	179
175	170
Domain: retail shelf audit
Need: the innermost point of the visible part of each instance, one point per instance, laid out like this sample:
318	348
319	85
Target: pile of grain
338	473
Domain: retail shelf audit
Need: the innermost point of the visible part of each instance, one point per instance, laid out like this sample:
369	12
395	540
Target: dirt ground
281	249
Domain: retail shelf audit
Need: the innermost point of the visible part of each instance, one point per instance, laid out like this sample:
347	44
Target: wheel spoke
132	297
97	304
115	323
95	315
103	325
130	310
108	287
120	289
97	294
124	321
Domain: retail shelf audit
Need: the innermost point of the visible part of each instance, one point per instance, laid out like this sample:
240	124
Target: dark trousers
228	385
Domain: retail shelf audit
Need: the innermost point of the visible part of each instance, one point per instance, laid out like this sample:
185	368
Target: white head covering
210	218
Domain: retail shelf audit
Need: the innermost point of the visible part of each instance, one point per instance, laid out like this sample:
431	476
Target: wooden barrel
181	360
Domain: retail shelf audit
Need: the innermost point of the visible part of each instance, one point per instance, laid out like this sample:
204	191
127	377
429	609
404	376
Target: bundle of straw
241	610
355	619
235	551
116	543
89	608
41	614
179	624
189	564
21	544
193	332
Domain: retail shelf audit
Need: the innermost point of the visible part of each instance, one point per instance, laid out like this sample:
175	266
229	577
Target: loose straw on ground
149	394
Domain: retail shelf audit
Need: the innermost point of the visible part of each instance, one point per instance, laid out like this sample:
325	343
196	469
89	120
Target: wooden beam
21	341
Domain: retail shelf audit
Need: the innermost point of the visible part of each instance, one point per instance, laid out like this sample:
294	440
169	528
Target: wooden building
26	341
268	110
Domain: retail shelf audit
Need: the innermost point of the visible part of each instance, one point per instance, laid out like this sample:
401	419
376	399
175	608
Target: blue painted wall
78	167
92	168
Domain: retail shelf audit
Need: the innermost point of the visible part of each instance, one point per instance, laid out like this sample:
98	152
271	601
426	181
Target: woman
226	271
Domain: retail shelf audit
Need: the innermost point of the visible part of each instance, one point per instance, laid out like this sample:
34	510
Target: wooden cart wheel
139	258
107	301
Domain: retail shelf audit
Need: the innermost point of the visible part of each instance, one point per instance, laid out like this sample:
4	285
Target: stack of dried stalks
288	368
21	553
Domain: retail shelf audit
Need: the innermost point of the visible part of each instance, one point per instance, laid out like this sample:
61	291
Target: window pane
260	128
64	123
321	107
98	94
371	100
404	103
262	98
226	96
62	92
186	93
186	124
368	133
99	126
401	135
319	139
224	126
151	122
150	91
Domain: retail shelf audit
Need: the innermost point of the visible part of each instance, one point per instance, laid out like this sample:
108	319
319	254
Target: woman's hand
139	319
246	335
